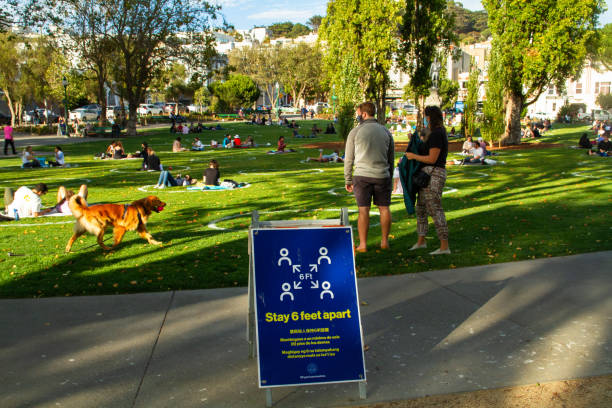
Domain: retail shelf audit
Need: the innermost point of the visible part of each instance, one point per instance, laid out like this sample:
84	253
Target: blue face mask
425	122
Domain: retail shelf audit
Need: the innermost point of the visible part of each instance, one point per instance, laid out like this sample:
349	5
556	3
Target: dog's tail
77	204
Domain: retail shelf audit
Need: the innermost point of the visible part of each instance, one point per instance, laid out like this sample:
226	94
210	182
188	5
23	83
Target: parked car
599	114
197	108
44	115
86	113
409	108
540	115
172	106
5	119
289	109
318	107
149	109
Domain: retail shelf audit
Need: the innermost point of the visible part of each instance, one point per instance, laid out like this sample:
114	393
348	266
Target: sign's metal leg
344	217
363	393
251	308
268	397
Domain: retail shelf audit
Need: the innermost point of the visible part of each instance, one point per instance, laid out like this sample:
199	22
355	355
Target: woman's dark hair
178	138
145	144
435	116
213	163
59	148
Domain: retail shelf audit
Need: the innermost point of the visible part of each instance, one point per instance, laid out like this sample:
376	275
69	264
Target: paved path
430	333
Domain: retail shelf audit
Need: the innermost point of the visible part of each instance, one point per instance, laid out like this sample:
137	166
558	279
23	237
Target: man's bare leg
385	226
363	224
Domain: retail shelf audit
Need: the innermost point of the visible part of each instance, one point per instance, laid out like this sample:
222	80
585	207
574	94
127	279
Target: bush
571	109
37	129
346	120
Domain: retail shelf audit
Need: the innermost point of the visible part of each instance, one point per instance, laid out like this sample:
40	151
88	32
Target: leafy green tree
447	88
146	34
12	61
424	30
600	51
201	97
540	42
288	29
263	64
604	101
468	24
349	94
471	101
366	32
239	90
494	105
301	69
314	22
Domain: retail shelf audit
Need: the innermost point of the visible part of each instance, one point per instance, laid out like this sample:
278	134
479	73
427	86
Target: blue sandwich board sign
306	305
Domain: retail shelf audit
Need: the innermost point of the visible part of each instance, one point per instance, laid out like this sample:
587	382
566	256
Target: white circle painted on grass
150	189
50	180
213	224
11	224
592	174
121	170
333	191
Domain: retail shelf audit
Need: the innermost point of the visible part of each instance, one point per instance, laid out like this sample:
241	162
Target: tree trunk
512	133
10	106
420	105
102	102
131	123
380	105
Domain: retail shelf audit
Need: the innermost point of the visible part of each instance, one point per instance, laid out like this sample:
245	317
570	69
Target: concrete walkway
430	333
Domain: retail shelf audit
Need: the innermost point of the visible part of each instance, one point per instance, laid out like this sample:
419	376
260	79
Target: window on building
551	90
604	88
554	107
578	88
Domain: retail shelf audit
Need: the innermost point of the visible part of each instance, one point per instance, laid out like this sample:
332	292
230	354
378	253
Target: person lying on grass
166	180
324	158
63	198
250	142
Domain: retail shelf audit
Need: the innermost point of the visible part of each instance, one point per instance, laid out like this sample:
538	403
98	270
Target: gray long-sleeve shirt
371	149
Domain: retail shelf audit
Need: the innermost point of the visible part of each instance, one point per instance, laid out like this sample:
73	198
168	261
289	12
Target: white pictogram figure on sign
283	253
323	251
286	287
326	285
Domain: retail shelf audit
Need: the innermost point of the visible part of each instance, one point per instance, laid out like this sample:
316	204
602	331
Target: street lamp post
66	113
276	86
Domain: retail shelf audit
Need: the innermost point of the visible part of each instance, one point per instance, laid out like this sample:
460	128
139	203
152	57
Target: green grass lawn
541	203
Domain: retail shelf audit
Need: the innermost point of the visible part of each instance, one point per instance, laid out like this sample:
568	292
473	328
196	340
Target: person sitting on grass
186	180
604	148
324	158
186	129
197	145
211	174
25	202
584	142
330	130
63	198
28	159
237	141
249	142
295	133
468	145
176	146
173	127
452	132
397	184
314	131
477	156
153	162
227	141
59	158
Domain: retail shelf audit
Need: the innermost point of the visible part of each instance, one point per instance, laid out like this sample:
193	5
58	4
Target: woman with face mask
433	158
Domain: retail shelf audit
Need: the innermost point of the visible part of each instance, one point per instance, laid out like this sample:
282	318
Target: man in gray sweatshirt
370	151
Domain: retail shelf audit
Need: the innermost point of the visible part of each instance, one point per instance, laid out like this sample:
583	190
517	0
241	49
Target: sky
244	14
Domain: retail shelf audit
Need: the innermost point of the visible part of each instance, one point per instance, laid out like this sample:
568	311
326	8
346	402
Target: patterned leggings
430	203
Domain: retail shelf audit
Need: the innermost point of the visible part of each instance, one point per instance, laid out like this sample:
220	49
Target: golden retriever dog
128	217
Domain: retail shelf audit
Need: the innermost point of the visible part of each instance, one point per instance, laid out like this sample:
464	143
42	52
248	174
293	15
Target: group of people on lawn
601	144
